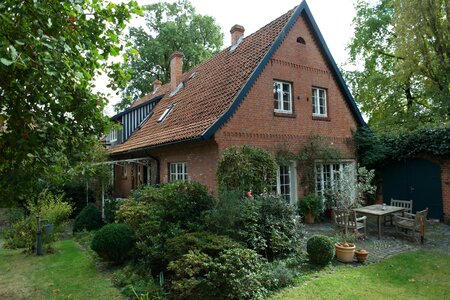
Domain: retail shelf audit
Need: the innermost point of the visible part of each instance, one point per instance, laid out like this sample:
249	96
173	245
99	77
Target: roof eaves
341	82
137	106
208	133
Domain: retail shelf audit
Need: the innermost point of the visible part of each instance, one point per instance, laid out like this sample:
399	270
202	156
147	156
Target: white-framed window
113	135
124	169
319	97
282	95
178	171
286	182
330	175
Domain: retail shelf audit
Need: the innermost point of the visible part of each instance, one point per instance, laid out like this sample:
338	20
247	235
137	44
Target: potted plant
345	251
310	206
361	255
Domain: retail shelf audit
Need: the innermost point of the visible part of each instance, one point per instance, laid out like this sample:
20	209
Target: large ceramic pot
309	218
345	252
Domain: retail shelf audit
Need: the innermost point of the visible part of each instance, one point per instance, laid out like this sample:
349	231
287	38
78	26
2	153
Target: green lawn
412	275
67	274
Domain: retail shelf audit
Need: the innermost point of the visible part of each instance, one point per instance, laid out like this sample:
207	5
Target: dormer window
282	94
166	113
113	135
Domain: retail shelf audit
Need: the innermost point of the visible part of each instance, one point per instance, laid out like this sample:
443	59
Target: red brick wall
201	158
304	66
445	180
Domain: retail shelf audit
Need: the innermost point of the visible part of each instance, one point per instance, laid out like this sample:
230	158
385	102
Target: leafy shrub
281	275
136	279
226	217
239	274
320	250
189	279
271	226
246	168
113	242
184	202
208	243
49	207
111	207
90	218
75	193
310	203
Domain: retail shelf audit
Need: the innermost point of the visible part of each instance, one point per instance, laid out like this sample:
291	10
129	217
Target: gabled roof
215	88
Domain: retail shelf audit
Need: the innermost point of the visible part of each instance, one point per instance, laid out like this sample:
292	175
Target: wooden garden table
379	211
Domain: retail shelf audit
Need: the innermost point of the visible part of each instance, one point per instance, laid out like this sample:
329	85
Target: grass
412	275
67	274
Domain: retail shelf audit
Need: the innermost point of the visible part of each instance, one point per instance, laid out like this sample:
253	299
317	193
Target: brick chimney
236	32
156	85
176	69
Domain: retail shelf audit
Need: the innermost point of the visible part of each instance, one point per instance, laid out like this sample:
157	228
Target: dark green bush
310	203
206	242
226	217
113	242
246	168
281	275
271	226
184	203
320	250
111	208
239	274
89	218
189	279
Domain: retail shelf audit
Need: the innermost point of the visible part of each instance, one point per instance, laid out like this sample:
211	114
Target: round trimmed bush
113	242
89	218
320	250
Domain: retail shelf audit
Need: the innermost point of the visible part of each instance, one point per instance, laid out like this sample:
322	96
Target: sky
334	18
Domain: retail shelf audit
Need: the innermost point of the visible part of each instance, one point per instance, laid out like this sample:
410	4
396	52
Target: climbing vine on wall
316	148
374	149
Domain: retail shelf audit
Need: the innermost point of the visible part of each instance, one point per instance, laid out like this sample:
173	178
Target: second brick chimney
176	69
156	85
237	31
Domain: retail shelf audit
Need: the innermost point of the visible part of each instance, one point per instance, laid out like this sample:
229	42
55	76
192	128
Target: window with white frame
329	176
282	94
319	97
113	135
178	171
286	183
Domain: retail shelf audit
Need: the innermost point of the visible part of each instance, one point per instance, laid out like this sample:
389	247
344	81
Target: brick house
277	86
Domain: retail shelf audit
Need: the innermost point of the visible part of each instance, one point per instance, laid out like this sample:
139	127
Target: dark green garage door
416	179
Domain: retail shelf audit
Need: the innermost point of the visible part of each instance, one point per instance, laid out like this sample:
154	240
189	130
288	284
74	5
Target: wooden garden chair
406	204
348	221
411	223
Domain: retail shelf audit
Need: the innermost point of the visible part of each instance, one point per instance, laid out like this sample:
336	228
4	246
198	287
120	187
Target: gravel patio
437	238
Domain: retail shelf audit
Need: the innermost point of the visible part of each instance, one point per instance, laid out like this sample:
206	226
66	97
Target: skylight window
166	113
177	89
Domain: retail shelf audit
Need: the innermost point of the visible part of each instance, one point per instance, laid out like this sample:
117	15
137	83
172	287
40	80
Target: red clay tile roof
207	95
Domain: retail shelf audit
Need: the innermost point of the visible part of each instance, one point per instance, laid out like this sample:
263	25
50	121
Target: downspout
158	166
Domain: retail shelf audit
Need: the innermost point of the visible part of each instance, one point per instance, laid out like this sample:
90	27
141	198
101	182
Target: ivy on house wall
374	149
316	148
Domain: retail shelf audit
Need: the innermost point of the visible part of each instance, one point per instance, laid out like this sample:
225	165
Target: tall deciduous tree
50	116
404	47
169	27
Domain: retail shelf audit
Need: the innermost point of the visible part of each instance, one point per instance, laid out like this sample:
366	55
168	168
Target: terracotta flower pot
309	218
361	255
345	252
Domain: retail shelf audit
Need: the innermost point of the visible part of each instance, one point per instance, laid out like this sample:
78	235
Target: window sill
284	115
321	118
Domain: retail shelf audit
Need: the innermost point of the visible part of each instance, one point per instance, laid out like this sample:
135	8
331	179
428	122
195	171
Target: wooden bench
406	204
411	223
348	221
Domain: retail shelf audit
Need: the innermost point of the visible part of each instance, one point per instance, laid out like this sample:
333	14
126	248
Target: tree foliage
404	47
169	27
49	114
